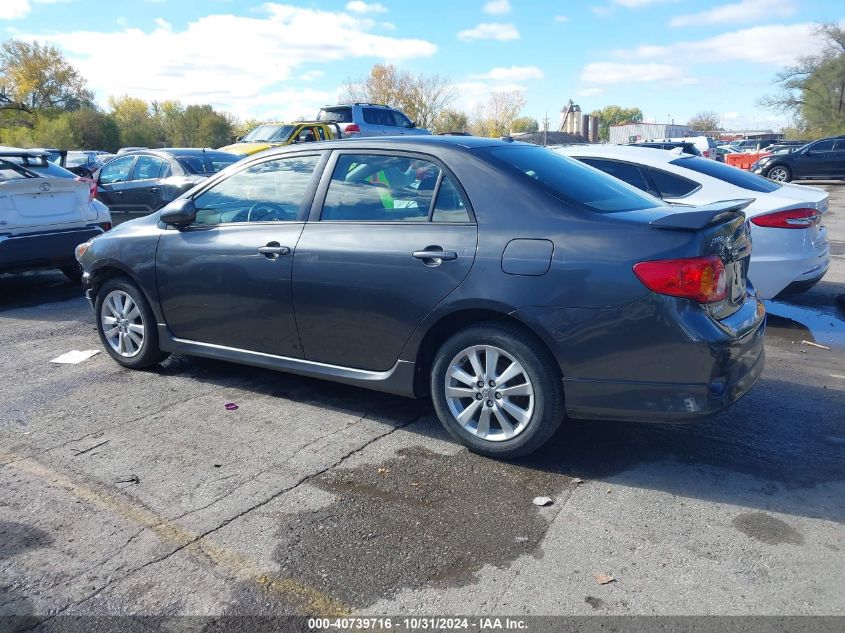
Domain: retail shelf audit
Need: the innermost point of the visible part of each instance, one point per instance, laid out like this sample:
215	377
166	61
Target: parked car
819	159
791	248
369	119
269	135
83	164
124	150
44	214
685	146
724	150
752	145
509	282
704	144
138	183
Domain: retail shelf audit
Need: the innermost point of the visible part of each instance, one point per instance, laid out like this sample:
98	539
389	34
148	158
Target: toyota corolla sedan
512	285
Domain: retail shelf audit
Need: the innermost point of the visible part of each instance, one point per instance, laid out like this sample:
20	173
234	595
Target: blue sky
281	60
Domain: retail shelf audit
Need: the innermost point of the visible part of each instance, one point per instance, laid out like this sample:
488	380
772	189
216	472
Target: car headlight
79	251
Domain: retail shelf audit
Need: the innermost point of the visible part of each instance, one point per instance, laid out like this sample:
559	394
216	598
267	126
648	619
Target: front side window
271	191
401	120
148	168
378	188
117	170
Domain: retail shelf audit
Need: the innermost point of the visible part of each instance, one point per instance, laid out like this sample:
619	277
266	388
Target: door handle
153	189
273	250
441	255
117	193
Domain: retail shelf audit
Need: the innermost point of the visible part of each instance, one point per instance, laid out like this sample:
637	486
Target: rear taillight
106	226
699	278
351	129
791	219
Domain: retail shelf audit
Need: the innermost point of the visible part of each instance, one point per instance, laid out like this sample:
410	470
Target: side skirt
398	380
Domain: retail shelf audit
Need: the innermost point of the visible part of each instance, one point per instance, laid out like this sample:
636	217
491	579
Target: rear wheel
497	391
779	173
126	324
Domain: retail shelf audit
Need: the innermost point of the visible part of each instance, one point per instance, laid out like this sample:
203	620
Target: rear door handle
446	256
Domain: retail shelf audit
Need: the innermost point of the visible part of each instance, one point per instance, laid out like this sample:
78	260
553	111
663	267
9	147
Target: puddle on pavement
799	323
417	519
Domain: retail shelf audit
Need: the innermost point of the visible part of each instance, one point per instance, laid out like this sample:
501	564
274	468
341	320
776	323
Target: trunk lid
37	202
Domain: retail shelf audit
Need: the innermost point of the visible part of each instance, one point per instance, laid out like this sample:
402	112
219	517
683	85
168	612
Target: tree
135	123
496	117
36	77
616	115
94	130
813	90
525	124
451	121
421	97
705	121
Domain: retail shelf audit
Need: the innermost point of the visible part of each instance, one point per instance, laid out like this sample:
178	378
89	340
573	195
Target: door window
822	146
117	170
271	191
449	206
378	116
672	186
377	188
623	171
148	168
401	120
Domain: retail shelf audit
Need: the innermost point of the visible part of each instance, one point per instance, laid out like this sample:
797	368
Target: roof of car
173	151
409	143
630	152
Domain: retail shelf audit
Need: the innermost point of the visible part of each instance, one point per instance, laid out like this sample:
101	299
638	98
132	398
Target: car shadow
17	611
29	289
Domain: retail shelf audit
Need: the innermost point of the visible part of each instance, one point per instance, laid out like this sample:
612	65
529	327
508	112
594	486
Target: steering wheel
268	212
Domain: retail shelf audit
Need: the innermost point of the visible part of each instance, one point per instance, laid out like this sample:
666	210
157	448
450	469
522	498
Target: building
633	132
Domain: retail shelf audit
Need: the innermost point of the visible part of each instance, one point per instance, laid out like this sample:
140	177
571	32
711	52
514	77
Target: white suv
45	212
369	119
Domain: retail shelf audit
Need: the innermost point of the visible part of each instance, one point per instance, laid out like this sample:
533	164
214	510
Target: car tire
520	405
126	324
72	272
779	173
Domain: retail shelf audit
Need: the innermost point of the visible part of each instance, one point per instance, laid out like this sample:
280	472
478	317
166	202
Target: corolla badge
44	186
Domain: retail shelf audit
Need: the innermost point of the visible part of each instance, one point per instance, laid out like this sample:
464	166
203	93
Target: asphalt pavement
128	492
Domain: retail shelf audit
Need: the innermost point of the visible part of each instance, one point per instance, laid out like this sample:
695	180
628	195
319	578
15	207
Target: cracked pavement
139	493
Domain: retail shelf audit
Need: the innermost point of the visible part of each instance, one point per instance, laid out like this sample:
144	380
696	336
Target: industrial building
633	132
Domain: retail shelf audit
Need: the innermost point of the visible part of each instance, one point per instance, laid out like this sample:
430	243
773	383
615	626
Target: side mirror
180	212
238	139
413	124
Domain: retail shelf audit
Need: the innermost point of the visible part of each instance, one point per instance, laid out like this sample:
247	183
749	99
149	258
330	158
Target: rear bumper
775	274
45	249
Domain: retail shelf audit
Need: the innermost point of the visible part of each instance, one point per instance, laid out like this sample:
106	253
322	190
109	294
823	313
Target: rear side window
379	116
672	186
570	181
148	168
727	173
623	171
822	146
449	206
379	188
336	115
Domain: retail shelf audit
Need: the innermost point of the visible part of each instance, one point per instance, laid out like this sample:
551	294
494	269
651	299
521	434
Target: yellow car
270	135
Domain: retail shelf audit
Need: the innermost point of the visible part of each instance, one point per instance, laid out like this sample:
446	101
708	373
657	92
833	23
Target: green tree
134	121
212	128
94	130
525	124
705	121
813	91
616	115
38	77
450	120
242	128
421	97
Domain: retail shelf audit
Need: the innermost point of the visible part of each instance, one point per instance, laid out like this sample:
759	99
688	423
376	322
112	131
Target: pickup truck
269	135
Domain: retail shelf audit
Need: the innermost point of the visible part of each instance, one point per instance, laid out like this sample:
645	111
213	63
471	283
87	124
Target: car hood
246	149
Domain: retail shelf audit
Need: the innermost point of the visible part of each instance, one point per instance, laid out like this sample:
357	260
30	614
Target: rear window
42	168
335	115
571	181
208	163
8	171
727	173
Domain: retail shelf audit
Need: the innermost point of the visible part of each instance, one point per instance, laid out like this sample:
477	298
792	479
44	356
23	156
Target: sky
283	60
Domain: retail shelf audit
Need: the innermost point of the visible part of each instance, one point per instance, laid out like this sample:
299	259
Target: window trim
164	162
304	209
320	197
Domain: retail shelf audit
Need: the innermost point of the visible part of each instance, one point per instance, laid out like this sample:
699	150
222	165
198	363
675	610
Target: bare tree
496	117
705	121
421	97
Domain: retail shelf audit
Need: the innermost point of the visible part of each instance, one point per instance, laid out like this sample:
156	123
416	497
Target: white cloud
472	94
497	7
179	63
744	11
163	24
14	9
776	45
561	18
590	92
356	6
490	31
613	73
636	4
514	73
311	75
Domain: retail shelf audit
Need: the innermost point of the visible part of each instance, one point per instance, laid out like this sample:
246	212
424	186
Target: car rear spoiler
703	216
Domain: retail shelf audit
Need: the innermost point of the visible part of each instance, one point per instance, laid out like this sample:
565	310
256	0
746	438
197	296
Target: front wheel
497	391
779	173
126	324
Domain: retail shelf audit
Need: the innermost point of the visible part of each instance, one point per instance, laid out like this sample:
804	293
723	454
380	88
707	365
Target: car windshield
727	173
572	181
269	133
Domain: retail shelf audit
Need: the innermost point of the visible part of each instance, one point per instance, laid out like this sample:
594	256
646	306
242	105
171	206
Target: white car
791	252
45	212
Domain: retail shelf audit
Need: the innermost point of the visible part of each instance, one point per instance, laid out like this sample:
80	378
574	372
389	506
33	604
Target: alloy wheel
122	323
778	174
489	393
